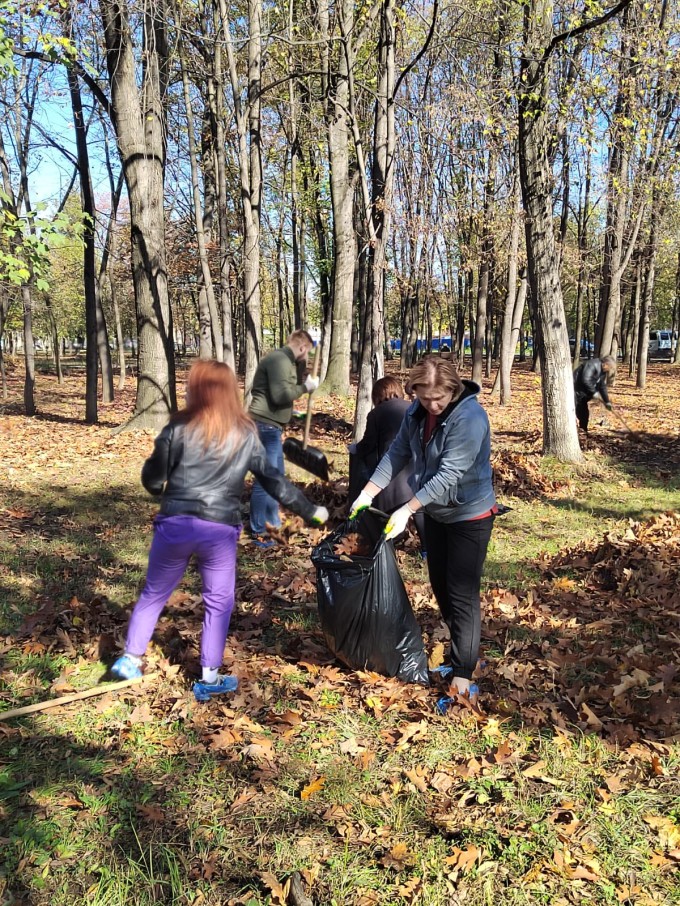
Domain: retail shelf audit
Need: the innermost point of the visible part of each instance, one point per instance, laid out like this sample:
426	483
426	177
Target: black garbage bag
364	610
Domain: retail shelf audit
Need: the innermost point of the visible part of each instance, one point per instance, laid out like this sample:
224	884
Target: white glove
362	502
397	522
320	516
310	383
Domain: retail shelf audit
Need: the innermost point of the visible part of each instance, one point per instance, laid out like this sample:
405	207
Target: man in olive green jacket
277	383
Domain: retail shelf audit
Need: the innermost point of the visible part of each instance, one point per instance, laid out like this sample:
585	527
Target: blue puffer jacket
452	476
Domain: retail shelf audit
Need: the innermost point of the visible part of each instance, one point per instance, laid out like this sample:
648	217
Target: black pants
455	558
582	410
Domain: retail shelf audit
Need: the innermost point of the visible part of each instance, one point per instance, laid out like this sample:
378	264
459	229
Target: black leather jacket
590	379
193	481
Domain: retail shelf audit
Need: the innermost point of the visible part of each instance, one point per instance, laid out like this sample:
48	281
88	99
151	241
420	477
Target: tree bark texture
509	335
206	288
343	179
139	121
560	437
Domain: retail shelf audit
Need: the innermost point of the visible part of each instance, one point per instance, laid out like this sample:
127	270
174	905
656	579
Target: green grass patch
146	797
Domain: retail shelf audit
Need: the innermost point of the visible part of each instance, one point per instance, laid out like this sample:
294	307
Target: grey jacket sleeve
155	469
276	484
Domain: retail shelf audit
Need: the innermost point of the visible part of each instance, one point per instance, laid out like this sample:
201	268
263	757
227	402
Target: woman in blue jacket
445	434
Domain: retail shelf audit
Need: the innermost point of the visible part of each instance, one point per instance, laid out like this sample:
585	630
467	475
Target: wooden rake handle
308	417
73	697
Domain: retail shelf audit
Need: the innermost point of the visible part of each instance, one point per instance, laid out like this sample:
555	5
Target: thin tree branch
583	27
85	76
421	52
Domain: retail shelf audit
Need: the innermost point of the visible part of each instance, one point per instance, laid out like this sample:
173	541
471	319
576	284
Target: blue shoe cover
125	668
443	671
203	692
443	703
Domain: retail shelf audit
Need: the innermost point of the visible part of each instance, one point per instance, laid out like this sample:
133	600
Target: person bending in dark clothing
590	382
382	426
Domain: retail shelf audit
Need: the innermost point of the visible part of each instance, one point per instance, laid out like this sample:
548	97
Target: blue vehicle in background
587	348
439	344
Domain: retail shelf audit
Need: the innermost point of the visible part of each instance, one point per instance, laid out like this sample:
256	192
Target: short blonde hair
433	371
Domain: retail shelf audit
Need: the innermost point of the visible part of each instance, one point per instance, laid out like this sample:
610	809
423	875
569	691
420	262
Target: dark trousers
455	558
582	411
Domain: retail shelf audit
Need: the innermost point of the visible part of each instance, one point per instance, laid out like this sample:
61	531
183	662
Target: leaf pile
519	475
352	545
601	637
563	789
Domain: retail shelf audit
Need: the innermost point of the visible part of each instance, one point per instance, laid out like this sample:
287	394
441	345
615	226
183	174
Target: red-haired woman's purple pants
175	539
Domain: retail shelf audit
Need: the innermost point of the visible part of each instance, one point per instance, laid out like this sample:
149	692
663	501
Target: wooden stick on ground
73	697
297	891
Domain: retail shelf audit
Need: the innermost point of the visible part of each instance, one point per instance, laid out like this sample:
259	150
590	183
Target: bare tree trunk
105	275
29	351
619	208
676	317
378	214
216	99
97	349
582	288
325	293
206	290
649	274
560	436
508	337
139	120
250	169
297	213
636	306
56	343
26	302
483	280
343	177
4	310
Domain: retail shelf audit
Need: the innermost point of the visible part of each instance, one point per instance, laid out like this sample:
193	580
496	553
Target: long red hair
214	409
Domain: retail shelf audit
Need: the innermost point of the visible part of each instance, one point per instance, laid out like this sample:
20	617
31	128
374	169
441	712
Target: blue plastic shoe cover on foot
443	671
443	703
125	668
203	692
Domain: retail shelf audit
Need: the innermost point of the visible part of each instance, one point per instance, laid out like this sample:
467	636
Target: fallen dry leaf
398	857
667	829
278	891
313	787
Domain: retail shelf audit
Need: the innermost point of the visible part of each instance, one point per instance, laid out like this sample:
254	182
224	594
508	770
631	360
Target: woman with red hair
198	468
